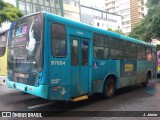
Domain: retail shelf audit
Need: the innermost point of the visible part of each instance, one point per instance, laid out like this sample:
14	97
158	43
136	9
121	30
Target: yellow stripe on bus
3	64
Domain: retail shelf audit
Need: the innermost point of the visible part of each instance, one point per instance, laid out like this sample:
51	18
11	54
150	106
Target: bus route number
58	63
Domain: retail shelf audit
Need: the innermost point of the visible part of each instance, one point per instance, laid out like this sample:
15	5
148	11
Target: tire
109	88
144	84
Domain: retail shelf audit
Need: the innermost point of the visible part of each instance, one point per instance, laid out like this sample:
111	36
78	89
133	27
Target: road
127	99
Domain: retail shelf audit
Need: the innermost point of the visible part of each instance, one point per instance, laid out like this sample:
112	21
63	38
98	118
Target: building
132	11
99	18
97	4
67	8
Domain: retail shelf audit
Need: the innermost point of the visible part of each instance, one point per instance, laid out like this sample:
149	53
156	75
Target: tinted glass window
121	44
153	54
130	46
141	52
130	51
116	48
85	53
149	54
98	40
25	51
74	54
58	40
105	42
100	46
113	43
25	39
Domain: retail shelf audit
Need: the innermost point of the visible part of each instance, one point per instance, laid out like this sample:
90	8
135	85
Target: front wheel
109	88
147	81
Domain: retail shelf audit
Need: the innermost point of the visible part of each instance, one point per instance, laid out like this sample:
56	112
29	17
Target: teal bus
59	59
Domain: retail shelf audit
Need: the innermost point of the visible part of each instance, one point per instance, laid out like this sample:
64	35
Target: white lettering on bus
78	32
58	63
55	81
102	63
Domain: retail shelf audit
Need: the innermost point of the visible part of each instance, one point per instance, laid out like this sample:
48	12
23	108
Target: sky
11	1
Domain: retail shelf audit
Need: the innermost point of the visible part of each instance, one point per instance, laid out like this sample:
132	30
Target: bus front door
79	66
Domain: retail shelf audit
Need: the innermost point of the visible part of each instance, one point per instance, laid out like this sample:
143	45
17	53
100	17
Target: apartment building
100	19
73	10
132	11
66	8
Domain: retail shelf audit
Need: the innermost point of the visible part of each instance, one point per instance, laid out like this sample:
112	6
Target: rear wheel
109	88
147	81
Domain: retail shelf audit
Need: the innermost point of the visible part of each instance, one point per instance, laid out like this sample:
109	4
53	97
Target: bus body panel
40	91
3	52
101	70
3	66
158	64
58	67
62	79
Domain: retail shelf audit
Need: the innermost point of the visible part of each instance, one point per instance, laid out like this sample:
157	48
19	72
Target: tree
8	12
158	47
149	27
117	31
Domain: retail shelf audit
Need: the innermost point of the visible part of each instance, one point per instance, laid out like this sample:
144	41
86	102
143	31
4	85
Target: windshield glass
25	46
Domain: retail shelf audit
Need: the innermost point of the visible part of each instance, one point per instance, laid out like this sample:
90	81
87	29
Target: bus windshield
3	40
25	46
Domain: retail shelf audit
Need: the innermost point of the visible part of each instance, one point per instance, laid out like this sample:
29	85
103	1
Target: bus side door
79	66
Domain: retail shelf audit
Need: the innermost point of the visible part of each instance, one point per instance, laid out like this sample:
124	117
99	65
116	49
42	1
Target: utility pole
61	7
60	2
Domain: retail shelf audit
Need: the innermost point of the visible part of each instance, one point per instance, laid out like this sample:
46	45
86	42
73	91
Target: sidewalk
2	80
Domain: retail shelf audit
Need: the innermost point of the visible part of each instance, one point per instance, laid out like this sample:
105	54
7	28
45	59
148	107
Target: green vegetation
158	47
149	27
8	12
117	31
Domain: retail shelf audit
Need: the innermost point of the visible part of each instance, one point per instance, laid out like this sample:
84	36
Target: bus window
153	54
99	46
58	40
84	53
130	51
141	52
25	49
120	49
74	54
149	54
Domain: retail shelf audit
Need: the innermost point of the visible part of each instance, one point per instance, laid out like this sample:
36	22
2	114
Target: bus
59	59
158	64
3	53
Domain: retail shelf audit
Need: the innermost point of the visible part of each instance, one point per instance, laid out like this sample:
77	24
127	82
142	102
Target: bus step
80	98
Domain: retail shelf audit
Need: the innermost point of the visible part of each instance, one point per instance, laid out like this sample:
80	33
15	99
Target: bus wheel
109	88
147	81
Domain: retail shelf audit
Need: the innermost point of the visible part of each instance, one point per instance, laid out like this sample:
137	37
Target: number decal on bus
58	63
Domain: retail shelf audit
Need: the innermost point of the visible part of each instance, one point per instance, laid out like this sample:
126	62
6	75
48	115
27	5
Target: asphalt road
127	99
